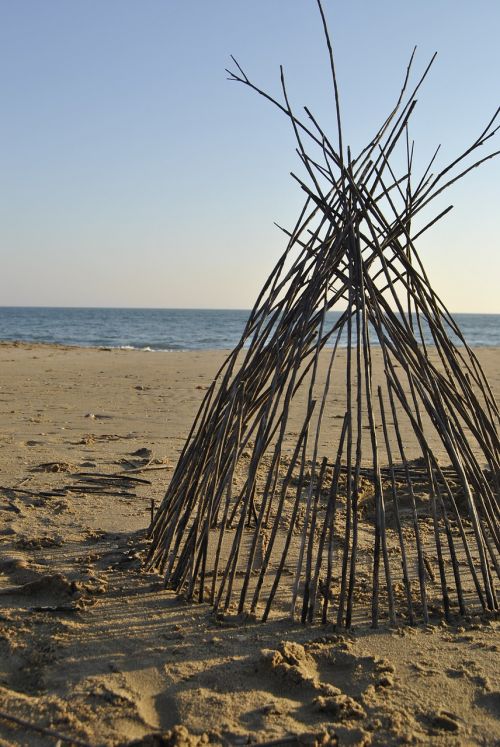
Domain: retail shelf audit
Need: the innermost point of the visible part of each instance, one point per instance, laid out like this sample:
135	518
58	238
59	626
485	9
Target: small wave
146	349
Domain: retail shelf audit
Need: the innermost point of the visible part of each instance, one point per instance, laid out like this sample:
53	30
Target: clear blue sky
132	173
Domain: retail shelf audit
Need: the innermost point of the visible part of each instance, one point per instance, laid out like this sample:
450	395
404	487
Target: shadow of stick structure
345	459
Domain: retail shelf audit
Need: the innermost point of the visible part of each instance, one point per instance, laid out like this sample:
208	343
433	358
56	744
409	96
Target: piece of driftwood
267	506
105	477
146	468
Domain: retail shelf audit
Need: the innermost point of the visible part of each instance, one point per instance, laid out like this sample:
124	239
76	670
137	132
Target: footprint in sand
341	680
491	702
52	592
19	570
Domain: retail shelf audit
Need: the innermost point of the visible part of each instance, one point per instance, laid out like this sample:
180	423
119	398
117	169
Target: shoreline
226	350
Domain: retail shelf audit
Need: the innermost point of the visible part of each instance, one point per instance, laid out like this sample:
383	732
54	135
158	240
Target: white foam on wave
148	349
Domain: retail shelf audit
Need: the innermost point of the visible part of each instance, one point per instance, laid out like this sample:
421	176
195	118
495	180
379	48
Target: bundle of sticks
264	508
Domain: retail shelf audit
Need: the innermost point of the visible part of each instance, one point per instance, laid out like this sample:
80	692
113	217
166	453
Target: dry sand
92	647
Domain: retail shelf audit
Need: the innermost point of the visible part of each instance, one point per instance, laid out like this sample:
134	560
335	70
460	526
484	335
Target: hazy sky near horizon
134	174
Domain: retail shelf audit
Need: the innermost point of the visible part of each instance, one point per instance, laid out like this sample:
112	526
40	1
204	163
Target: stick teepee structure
345	460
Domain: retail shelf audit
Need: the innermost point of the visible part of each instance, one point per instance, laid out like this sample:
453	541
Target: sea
164	330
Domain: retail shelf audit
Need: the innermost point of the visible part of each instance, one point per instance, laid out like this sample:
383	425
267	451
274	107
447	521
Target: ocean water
170	329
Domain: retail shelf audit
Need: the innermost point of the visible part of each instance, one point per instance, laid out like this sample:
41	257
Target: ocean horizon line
197	308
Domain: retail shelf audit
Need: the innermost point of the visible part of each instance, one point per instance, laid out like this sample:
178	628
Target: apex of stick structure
345	461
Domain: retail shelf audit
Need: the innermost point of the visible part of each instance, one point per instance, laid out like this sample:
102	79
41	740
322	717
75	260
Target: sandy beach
93	648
